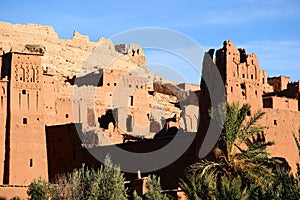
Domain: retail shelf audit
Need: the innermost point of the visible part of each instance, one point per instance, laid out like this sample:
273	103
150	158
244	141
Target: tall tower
25	140
244	81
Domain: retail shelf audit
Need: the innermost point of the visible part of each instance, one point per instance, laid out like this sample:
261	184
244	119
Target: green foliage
199	186
241	147
232	190
38	189
86	184
136	196
108	183
241	169
154	189
284	186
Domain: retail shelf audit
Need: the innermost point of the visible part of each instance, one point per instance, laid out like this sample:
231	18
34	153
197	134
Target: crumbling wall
282	103
279	83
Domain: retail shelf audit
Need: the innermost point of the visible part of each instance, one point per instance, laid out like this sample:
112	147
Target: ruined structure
245	82
39	91
50	113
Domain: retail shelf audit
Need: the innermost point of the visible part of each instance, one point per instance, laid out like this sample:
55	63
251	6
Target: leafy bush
154	189
38	189
86	184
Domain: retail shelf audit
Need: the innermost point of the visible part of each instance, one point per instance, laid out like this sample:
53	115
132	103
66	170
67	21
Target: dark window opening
275	122
24	120
104	120
131	100
243	86
133	51
23	91
256	92
249	113
263	80
30	162
115	84
129	86
243	75
67	115
252	76
137	86
129	123
231	89
108	84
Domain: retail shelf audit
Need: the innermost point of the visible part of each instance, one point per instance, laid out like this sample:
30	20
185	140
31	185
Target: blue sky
268	28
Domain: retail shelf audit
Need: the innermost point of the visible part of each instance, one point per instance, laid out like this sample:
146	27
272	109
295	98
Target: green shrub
38	189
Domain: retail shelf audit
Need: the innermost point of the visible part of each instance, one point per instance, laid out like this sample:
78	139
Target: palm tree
242	155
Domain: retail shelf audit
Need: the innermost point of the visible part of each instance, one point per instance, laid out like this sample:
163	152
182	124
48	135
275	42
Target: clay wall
25	157
279	83
293	89
3	115
281	124
282	103
65	140
13	191
241	74
246	83
190	118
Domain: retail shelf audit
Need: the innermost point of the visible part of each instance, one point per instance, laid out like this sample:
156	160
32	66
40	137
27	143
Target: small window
263	80
108	84
256	92
231	89
30	162
115	84
67	115
249	113
275	122
131	100
137	86
129	86
243	86
24	120
243	75
23	91
252	76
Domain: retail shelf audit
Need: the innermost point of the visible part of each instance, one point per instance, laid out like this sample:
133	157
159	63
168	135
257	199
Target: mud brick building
40	113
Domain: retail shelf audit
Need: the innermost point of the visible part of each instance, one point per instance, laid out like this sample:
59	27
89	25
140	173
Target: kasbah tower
23	145
25	155
278	97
